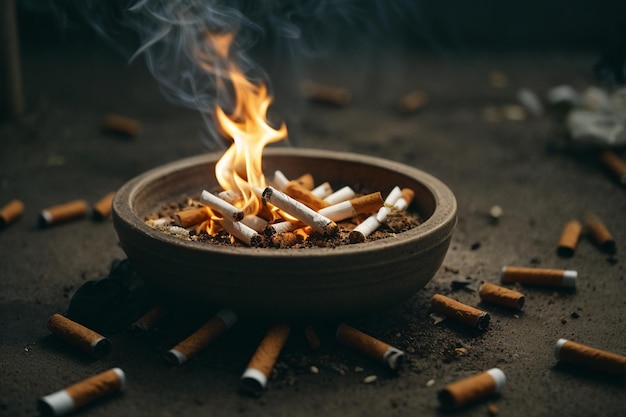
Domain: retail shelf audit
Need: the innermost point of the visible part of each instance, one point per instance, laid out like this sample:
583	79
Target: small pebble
358	369
370	379
314	369
430	383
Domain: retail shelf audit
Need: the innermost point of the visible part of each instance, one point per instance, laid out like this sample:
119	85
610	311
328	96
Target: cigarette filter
589	357
599	233
121	124
78	335
254	379
11	211
82	393
191	217
460	312
229	211
304	195
342	194
474	388
539	276
306	180
215	326
149	319
370	346
412	101
500	295
360	205
102	208
62	212
569	238
614	164
318	222
405	200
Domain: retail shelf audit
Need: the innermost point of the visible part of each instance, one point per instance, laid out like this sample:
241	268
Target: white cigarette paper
255	222
322	190
342	194
229	211
279	181
318	222
242	232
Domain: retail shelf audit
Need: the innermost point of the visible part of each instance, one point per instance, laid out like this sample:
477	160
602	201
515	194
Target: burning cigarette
11	212
589	357
460	312
364	229
78	335
229	211
569	238
191	217
322	191
412	101
242	232
539	276
62	212
614	164
599	233
149	319
370	346
460	393
304	195
218	324
122	125
284	227
500	295
318	222
360	205
102	208
254	379
337	96
82	393
342	194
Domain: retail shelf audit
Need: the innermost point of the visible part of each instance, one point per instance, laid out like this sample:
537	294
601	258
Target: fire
240	168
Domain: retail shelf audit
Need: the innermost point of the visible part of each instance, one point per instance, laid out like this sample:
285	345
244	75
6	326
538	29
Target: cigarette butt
589	357
599	233
323	190
306	180
460	393
122	125
412	101
342	194
364	229
369	203
539	276
102	208
62	212
326	94
460	312
296	190
11	212
201	338
312	338
82	393
191	217
229	211
78	335
405	200
254	379
370	346
149	319
569	239
279	181
614	164
500	295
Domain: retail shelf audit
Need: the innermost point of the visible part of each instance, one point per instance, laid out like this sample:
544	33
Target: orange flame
240	168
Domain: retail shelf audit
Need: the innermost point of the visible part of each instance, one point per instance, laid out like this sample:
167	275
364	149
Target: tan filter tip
460	393
11	212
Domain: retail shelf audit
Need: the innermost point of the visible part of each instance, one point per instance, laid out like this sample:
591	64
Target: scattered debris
370	379
530	101
430	383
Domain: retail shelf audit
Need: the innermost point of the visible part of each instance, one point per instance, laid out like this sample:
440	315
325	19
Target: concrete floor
57	153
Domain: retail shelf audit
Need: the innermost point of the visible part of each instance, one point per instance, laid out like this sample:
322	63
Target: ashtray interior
318	283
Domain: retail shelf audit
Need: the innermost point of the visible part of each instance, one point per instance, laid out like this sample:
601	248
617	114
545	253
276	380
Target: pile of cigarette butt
293	214
60	213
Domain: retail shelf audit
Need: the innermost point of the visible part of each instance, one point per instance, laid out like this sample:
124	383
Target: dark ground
57	153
